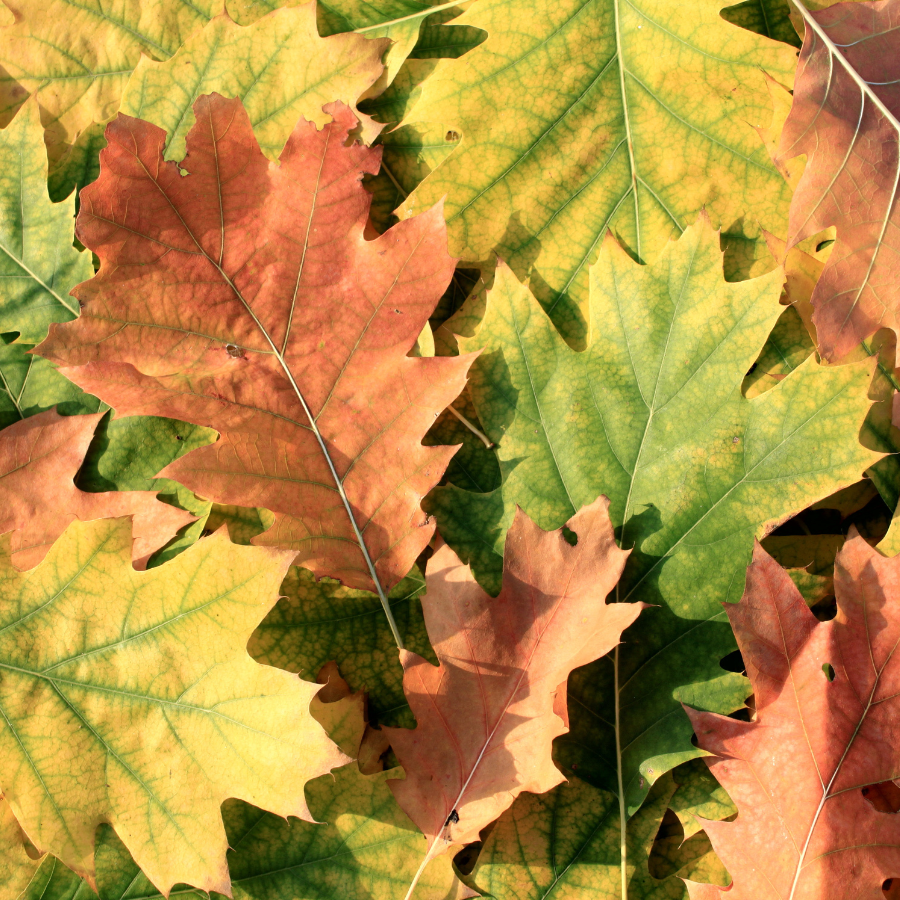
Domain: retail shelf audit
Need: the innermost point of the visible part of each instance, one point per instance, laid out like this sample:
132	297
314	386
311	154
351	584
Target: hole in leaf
569	535
891	888
885	797
828	669
823	244
451	136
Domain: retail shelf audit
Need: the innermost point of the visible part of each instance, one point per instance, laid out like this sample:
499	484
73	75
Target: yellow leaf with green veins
652	415
38	264
579	116
279	67
158	712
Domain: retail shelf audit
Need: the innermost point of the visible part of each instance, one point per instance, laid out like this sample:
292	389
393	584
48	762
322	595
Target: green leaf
568	843
788	346
771	18
584	115
652	415
318	621
38	264
259	65
158	712
699	794
30	384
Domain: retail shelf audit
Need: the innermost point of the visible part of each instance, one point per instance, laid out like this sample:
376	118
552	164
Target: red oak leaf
488	714
39	458
844	117
241	294
808	774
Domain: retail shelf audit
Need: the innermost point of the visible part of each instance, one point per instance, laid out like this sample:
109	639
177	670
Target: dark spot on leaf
451	136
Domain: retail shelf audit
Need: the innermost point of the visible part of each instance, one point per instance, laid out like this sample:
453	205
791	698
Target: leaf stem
479	434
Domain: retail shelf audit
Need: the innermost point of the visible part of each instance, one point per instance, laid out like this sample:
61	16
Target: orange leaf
241	294
811	774
39	458
488	714
845	119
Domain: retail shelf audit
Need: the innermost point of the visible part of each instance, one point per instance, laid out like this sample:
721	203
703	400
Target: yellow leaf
129	698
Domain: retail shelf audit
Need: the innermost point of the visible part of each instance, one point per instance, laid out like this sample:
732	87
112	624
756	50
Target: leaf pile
449	449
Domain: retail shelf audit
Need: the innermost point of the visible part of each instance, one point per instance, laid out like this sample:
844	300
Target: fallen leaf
38	264
288	332
39	458
826	706
260	66
844	119
159	714
567	843
487	715
577	117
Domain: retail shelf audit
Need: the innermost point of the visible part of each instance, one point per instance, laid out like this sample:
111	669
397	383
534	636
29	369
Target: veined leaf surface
488	714
38	264
279	67
846	119
159	713
559	117
270	318
652	414
826	703
39	458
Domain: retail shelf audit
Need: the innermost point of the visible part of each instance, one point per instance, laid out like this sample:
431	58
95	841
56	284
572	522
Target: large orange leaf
803	773
845	119
39	458
488	714
240	294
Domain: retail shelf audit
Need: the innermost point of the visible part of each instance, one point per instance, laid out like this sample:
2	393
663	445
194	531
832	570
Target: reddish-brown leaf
488	714
810	774
845	119
241	294
39	458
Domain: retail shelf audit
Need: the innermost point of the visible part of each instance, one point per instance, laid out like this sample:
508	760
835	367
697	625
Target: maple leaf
274	88
159	714
567	843
826	703
653	415
845	119
38	264
555	124
39	458
487	715
241	295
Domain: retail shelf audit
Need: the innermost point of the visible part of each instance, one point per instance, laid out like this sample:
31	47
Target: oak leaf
39	458
554	123
242	295
802	774
38	264
845	119
261	65
159	714
488	713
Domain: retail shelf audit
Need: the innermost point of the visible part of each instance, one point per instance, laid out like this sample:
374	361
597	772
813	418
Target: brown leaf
810	776
845	119
39	458
241	294
486	715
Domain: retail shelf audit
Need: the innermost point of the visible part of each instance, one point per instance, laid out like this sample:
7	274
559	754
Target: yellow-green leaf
38	264
158	713
652	415
279	67
577	116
